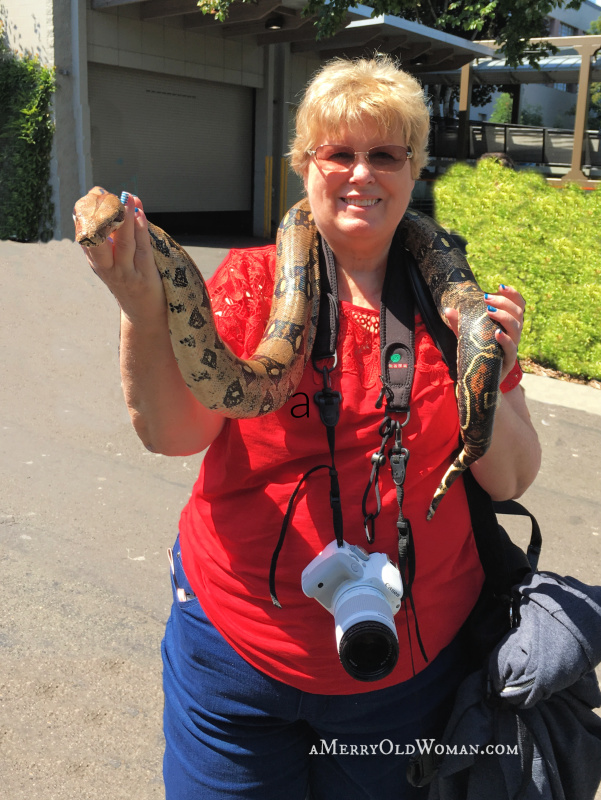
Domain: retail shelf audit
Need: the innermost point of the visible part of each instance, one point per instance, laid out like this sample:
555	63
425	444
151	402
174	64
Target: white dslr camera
363	592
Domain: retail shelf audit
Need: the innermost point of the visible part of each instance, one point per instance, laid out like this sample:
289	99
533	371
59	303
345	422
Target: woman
257	704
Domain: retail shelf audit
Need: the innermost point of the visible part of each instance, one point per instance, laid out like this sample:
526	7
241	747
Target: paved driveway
86	516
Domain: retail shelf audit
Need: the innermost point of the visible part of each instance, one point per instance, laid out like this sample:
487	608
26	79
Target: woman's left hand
506	307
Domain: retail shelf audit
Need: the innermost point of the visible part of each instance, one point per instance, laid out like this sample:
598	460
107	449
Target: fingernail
136	209
486	295
124	197
502	285
491	308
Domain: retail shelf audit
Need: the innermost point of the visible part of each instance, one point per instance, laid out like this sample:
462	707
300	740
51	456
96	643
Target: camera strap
327	400
397	354
397	358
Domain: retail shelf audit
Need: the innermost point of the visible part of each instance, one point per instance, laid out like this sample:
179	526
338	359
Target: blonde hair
347	93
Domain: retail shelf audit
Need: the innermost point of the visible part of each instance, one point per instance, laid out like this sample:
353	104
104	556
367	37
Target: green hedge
544	240
26	130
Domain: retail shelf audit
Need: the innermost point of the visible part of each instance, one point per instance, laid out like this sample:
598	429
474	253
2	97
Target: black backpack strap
504	563
397	333
513	508
444	338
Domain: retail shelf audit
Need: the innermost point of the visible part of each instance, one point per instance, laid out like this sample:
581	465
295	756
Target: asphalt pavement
87	515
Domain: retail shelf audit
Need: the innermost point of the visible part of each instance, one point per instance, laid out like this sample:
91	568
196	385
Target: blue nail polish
124	197
491	308
486	295
502	285
136	209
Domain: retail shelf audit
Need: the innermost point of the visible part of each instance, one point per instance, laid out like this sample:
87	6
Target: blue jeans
233	732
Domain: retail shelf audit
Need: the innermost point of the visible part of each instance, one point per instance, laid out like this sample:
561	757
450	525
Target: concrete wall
68	33
555	104
302	68
29	27
71	173
53	31
122	39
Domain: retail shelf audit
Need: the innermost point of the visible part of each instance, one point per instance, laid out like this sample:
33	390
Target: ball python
240	388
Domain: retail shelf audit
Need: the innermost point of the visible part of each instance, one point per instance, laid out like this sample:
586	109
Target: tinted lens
339	158
335	157
389	158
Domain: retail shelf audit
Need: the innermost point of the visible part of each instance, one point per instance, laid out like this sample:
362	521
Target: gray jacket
524	727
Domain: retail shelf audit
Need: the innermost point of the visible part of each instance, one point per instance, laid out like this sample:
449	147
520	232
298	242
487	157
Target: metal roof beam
154	9
344	39
98	4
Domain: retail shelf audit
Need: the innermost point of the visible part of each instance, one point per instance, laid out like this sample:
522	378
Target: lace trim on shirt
241	291
359	336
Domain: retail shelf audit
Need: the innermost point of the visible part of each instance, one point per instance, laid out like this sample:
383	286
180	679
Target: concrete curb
562	393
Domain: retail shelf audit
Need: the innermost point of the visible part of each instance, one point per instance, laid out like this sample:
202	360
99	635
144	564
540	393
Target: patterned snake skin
241	389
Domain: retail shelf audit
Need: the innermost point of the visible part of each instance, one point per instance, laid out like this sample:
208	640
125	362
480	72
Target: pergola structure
580	68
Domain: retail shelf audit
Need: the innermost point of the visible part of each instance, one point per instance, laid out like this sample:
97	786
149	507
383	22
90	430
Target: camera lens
368	645
369	651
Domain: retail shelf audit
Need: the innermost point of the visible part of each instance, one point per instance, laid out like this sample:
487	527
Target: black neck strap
397	341
328	323
397	333
397	322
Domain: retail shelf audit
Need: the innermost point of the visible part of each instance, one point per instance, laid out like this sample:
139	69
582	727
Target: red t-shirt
232	522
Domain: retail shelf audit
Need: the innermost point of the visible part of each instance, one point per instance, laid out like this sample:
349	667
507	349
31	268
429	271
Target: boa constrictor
241	389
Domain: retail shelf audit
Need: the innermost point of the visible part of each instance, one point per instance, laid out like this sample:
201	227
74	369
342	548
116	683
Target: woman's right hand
165	414
125	263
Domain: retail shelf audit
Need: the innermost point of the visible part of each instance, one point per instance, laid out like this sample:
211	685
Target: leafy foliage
510	22
502	110
26	130
543	240
529	114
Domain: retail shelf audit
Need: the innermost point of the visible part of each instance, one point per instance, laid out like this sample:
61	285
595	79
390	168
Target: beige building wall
122	39
29	27
52	29
68	34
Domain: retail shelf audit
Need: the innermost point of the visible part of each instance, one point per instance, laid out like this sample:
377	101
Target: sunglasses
339	158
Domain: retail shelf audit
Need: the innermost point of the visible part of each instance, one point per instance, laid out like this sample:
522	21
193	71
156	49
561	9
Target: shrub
26	130
543	240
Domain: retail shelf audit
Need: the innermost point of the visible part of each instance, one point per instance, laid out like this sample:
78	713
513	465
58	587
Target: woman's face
359	208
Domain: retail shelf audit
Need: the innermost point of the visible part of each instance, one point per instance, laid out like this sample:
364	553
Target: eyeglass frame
407	148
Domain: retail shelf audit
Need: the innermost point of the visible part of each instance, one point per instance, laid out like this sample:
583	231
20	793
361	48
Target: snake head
96	216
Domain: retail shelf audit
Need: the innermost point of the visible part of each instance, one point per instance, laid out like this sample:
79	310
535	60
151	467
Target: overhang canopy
420	49
563	68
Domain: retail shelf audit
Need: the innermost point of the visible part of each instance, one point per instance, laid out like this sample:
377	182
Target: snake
247	388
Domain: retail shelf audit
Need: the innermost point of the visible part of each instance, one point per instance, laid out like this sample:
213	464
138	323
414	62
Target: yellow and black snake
241	389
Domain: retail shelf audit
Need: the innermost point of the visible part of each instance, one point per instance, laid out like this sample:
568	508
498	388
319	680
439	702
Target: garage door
181	145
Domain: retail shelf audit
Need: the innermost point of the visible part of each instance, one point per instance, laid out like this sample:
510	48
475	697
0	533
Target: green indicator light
395	358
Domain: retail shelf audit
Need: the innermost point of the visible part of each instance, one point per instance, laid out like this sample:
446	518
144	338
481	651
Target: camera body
363	592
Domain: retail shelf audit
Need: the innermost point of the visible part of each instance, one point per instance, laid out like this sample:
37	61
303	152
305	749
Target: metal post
586	53
465	100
